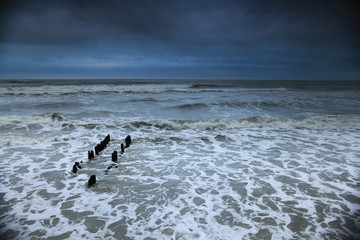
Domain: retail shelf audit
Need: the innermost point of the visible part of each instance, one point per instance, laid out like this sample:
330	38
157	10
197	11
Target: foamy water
282	170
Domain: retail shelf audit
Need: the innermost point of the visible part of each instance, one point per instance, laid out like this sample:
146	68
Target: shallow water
254	171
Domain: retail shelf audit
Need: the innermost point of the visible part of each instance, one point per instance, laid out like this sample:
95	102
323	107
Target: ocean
209	159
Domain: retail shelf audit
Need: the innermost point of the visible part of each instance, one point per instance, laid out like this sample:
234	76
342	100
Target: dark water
209	159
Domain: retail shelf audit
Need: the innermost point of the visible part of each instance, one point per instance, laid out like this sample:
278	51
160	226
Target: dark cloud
288	34
189	21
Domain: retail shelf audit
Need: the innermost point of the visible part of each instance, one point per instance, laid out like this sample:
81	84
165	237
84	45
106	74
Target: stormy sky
180	39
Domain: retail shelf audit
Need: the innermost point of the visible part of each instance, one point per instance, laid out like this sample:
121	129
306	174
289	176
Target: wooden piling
122	148
128	141
114	156
92	180
77	164
74	169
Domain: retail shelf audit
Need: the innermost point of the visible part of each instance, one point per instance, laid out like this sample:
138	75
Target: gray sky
180	39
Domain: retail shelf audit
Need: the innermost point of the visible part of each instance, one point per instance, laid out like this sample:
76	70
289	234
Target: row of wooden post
101	146
98	148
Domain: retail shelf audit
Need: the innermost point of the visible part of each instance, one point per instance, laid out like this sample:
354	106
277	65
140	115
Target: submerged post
77	164
128	141
74	169
114	156
92	180
122	148
91	154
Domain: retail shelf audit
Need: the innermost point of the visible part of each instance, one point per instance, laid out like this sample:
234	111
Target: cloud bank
180	39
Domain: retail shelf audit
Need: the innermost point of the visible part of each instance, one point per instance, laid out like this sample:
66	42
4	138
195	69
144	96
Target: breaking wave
70	90
251	122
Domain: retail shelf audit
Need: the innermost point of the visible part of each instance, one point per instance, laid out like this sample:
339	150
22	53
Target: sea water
208	159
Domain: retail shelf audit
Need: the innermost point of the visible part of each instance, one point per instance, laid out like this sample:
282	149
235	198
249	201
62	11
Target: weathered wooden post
114	156
128	141
122	148
92	180
102	145
97	149
77	164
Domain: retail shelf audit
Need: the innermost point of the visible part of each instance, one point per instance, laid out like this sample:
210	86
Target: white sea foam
208	161
330	122
183	179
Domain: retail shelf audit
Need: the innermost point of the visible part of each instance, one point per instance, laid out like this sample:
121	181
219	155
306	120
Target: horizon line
171	78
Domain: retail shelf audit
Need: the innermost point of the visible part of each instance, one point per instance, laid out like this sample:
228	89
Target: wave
68	90
332	122
143	100
190	106
234	104
295	103
203	124
248	104
208	85
59	121
233	87
28	119
88	92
